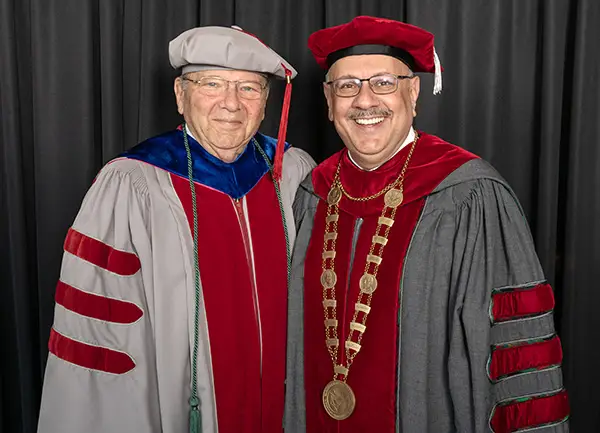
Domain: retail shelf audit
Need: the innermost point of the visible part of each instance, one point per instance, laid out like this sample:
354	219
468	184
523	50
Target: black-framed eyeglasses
217	86
380	84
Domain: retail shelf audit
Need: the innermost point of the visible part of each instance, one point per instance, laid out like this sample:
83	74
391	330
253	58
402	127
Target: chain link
328	264
398	180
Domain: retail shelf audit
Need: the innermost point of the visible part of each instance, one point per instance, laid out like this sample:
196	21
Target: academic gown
460	336
123	336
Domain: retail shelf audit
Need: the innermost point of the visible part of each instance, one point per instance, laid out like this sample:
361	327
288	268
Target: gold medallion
338	400
334	196
368	283
328	278
393	198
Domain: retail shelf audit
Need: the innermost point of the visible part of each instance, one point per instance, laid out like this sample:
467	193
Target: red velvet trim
432	161
270	264
88	356
249	397
374	371
507	361
96	306
101	254
530	413
522	302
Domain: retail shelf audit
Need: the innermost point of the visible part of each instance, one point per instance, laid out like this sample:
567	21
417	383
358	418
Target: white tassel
437	84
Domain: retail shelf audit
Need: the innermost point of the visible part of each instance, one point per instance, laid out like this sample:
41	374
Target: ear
415	88
264	111
179	94
263	107
329	98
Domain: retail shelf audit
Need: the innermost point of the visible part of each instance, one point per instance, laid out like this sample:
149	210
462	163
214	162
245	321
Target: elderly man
171	305
417	301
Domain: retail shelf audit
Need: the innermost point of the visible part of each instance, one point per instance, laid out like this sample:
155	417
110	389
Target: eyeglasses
381	84
217	86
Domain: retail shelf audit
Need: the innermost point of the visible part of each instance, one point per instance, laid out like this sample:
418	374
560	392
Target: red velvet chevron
524	357
96	306
530	412
101	254
520	303
89	356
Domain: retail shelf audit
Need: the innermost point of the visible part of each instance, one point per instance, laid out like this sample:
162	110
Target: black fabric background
82	80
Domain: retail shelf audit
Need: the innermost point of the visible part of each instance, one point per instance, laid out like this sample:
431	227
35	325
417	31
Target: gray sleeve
305	205
113	389
297	165
304	200
504	355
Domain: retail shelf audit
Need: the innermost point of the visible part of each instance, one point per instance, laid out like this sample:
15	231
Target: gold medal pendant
334	196
368	283
328	279
393	198
338	400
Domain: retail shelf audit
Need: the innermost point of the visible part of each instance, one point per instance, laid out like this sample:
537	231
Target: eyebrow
354	76
344	76
258	80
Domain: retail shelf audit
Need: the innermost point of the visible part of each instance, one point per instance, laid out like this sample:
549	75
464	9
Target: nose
365	98
231	100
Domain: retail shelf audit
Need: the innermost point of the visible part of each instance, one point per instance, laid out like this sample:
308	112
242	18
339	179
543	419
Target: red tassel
278	163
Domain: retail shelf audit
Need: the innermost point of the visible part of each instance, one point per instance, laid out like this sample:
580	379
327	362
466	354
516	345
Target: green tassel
195	420
195	426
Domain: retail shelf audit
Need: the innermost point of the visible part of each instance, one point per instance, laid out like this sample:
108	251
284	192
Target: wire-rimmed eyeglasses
217	86
380	84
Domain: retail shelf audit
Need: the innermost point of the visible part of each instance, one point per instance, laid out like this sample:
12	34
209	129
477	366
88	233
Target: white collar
409	138
190	132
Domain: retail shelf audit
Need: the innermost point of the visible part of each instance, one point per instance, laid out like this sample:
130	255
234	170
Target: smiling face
372	126
223	124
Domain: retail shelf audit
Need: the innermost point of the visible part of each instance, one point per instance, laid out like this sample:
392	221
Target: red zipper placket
246	236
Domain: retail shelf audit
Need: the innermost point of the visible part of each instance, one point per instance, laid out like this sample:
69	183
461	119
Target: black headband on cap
358	50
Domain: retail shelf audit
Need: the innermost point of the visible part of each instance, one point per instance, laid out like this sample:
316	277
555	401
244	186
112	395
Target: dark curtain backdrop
82	80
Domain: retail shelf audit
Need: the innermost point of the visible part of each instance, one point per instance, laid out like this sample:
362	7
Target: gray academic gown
471	242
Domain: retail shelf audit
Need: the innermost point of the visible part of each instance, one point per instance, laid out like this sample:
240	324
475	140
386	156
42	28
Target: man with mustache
419	304
171	306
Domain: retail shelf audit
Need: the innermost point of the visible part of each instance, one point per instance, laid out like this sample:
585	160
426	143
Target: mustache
371	112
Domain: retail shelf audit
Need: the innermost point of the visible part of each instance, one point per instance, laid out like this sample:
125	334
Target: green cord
195	416
278	192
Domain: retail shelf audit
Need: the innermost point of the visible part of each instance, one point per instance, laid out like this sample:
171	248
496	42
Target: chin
369	149
230	146
228	141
